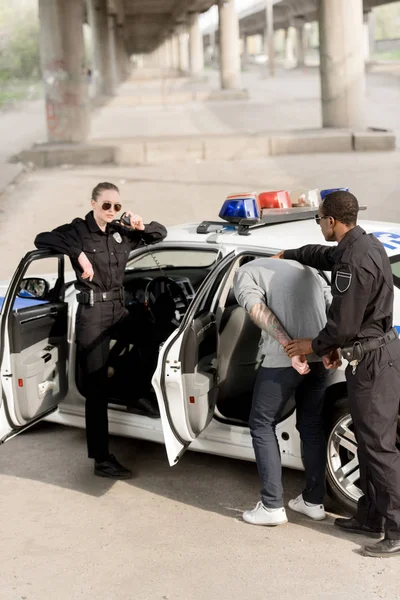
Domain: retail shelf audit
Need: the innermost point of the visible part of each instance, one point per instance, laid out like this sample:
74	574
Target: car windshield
179	257
395	263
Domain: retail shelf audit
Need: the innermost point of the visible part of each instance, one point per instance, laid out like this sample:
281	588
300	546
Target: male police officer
360	323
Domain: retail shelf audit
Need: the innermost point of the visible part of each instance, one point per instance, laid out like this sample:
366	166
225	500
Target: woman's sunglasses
107	205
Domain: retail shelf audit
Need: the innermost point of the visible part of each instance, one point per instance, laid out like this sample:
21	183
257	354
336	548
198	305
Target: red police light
277	199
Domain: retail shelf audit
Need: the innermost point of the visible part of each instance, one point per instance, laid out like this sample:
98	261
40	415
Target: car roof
280	236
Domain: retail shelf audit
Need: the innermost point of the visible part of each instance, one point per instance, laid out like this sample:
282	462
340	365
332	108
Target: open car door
33	345
185	380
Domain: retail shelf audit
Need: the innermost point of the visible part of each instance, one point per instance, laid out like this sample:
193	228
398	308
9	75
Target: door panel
185	380
38	352
198	360
33	347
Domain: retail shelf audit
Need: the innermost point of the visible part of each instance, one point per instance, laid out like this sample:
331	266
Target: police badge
343	281
117	237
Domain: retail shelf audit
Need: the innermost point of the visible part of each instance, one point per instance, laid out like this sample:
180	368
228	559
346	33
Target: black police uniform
101	314
362	311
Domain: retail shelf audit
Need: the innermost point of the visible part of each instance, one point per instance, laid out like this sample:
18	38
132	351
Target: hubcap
342	459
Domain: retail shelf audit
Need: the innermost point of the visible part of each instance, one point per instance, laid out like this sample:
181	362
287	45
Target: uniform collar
91	223
350	237
94	228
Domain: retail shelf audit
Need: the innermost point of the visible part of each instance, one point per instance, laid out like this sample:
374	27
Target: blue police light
326	192
238	207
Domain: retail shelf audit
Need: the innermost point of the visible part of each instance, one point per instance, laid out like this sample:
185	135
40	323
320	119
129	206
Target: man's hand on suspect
279	255
300	364
332	360
296	347
86	265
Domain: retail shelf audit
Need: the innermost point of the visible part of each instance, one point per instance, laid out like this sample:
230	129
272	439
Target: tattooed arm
265	319
251	296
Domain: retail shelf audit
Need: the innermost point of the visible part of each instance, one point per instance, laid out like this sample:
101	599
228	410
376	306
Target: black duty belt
356	352
92	297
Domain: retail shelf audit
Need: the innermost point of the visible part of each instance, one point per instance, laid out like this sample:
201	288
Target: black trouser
374	398
273	389
95	327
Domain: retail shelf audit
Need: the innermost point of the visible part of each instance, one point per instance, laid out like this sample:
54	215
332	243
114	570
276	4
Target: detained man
286	301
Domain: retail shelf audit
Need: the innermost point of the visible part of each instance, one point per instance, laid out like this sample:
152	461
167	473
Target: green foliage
387	21
19	40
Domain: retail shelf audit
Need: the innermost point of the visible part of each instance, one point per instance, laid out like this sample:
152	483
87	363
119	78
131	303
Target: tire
342	471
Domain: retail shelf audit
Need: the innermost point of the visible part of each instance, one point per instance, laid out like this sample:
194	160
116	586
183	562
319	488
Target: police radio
126	220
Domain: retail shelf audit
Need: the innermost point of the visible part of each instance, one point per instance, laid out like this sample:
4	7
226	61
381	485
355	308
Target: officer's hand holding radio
130	219
86	265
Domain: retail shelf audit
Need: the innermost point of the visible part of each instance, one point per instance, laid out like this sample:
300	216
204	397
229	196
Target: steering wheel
165	300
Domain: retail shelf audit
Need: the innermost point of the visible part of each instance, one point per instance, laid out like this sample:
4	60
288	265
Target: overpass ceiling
148	22
252	20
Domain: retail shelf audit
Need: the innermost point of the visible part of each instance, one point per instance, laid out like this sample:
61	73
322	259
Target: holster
358	349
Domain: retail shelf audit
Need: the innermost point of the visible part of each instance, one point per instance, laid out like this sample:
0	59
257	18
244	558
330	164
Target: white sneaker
261	515
314	511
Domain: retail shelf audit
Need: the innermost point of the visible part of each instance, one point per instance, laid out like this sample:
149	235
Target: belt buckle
104	296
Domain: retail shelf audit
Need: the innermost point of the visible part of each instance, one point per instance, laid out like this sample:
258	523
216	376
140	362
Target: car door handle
53	312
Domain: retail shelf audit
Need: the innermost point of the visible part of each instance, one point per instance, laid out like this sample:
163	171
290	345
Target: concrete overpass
288	13
120	28
168	32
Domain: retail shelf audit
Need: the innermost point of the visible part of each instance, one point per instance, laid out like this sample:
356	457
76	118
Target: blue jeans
273	389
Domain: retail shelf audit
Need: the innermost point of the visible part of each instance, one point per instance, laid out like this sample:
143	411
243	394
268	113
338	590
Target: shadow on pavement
56	455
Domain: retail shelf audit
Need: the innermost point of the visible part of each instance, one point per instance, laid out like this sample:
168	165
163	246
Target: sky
211	16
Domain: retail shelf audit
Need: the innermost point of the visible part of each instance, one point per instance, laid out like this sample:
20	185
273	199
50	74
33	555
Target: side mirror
34	288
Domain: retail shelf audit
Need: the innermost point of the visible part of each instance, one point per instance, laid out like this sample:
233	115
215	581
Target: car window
36	273
395	264
179	257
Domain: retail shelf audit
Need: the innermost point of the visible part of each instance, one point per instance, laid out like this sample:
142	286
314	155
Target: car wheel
342	469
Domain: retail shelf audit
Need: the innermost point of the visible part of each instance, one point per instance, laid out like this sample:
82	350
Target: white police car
207	354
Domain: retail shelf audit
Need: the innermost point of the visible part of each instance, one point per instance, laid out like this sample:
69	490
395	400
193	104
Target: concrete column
121	52
300	43
183	50
98	21
229	45
196	52
342	63
369	36
245	55
164	64
213	43
175	52
371	25
269	37
112	49
63	67
289	48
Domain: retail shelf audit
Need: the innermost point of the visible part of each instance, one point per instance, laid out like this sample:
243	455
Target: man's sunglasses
318	219
107	205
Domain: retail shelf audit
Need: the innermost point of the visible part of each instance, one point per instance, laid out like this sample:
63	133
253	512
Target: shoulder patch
343	281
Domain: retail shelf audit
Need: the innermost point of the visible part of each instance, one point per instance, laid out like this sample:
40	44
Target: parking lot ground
167	534
176	193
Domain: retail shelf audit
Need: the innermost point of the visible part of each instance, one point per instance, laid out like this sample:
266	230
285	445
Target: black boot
111	468
385	548
353	526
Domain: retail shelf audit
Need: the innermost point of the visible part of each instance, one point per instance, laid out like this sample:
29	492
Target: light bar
240	206
324	193
278	199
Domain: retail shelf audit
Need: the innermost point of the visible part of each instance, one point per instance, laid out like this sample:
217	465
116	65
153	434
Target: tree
19	39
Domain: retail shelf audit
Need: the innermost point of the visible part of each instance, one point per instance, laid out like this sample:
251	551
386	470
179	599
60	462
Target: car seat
239	358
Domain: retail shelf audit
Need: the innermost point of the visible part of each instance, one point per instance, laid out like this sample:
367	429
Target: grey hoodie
297	295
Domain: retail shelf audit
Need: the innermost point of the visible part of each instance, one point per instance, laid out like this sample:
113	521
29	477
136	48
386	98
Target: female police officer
99	247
